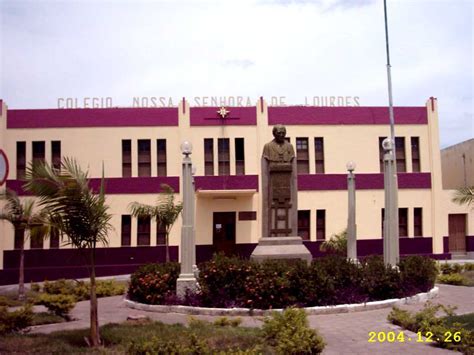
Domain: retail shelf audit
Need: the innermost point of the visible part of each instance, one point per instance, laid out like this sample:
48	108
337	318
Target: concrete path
346	333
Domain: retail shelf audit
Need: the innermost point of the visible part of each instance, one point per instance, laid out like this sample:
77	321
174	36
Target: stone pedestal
281	248
185	282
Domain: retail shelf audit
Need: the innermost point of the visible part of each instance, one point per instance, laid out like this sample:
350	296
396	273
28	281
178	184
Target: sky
294	49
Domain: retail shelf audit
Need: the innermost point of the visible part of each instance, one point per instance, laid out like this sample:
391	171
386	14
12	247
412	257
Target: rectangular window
20	160
208	156
144	157
39	151
239	156
418	222
381	153
303	224
320	224
19	238
224	156
36	243
319	154
126	158
143	231
160	234
302	156
56	154
161	156
126	232
400	154
54	239
415	154
383	221
403	222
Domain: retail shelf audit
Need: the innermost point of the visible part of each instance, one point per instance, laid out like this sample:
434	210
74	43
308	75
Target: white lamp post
187	280
351	221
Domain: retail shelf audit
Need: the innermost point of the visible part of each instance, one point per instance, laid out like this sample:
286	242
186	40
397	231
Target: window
302	157
161	156
144	157
224	156
19	238
20	160
126	158
160	234
54	239
38	151
126	230
36	243
303	224
383	221
400	154
415	154
319	154
320	224
56	154
418	222
143	231
208	156
239	157
403	222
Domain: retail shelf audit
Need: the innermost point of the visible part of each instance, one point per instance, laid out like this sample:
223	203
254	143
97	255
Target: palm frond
464	196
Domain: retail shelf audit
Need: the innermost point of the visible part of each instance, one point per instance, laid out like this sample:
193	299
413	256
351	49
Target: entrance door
223	236
457	233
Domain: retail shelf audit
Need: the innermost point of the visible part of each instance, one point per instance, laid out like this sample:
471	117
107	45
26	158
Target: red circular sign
3	167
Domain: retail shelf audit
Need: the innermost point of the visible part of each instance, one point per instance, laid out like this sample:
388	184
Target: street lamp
351	221
187	280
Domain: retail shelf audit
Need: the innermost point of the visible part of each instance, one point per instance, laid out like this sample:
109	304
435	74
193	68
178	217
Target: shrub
337	244
16	320
417	273
451	279
226	322
35	287
159	346
289	333
59	305
107	288
59	287
469	267
380	281
152	283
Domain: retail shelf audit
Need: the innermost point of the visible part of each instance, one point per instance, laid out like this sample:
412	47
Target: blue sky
251	48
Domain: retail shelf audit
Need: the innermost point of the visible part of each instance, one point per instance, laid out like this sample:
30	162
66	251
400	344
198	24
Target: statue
279	202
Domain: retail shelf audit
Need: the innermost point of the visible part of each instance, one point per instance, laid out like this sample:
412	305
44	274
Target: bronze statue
279	150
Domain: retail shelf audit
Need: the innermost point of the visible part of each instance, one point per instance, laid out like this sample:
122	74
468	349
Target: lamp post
351	221
187	280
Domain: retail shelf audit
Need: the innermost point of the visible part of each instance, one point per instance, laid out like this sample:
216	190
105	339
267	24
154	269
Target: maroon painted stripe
231	182
114	186
91	117
238	116
304	115
324	182
1	107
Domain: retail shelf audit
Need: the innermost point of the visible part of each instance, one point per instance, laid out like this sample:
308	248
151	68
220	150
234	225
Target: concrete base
184	283
281	248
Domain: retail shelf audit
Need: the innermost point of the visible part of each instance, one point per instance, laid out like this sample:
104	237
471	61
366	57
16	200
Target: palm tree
25	222
165	212
464	196
77	213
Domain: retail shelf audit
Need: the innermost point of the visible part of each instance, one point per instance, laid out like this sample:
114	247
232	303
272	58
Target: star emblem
223	112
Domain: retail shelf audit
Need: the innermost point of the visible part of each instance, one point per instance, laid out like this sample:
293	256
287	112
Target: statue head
279	132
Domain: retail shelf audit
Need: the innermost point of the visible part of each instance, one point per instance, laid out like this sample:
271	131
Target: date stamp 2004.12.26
421	337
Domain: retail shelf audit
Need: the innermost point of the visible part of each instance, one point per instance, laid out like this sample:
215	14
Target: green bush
447	269
59	304
469	267
226	322
157	345
107	288
289	333
81	290
16	320
153	283
417	274
337	244
380	281
451	279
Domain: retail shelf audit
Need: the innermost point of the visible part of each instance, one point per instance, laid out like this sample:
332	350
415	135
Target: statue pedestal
281	248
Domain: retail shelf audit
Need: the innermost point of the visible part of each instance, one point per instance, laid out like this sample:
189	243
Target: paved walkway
345	333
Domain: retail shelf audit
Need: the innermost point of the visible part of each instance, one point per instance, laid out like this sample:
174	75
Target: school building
140	150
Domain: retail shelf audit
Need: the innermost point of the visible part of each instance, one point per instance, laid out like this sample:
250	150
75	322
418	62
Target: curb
341	308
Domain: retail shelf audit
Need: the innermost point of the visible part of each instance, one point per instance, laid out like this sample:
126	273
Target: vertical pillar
391	252
351	220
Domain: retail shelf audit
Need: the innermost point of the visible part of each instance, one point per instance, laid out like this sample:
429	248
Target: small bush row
426	321
234	282
15	320
448	269
80	289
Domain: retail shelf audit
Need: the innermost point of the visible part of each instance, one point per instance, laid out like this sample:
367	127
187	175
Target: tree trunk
21	269
94	335
167	248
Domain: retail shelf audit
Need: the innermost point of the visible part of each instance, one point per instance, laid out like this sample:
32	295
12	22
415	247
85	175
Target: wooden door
223	235
457	233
